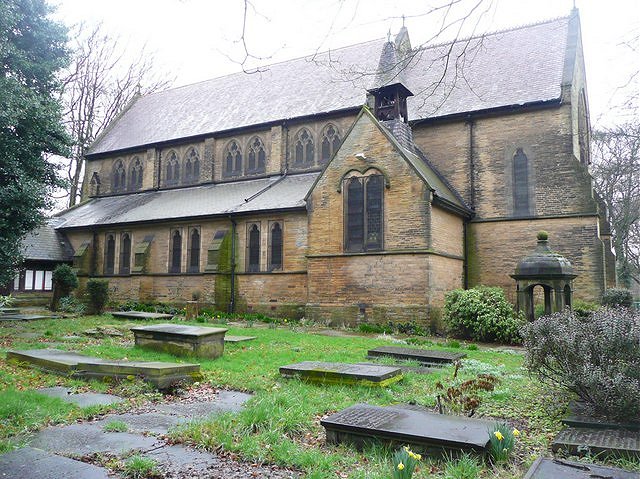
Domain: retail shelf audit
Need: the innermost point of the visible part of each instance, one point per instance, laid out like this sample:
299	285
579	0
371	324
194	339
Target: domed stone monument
552	271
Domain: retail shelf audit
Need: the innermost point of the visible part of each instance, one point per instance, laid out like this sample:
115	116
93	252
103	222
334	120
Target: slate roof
513	67
273	193
46	244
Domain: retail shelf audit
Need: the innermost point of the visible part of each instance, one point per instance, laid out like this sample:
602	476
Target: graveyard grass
281	424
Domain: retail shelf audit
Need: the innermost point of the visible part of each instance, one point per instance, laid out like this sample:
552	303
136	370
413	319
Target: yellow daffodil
418	457
516	433
400	466
499	435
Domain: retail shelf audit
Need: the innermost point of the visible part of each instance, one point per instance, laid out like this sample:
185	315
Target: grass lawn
281	423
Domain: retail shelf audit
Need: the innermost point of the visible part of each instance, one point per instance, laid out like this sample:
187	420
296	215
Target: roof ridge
495	32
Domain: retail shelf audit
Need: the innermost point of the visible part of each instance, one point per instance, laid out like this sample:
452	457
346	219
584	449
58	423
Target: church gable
370	177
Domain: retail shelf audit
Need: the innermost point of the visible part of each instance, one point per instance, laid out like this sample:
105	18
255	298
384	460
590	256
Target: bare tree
616	171
99	84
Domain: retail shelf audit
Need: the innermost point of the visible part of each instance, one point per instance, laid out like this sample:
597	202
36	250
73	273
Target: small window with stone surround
172	169
275	245
118	177
256	156
329	143
135	174
521	201
109	254
253	247
363	212
193	253
304	150
191	167
232	159
175	251
125	253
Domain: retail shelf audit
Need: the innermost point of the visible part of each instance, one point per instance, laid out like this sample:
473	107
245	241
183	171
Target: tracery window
125	253
253	247
119	177
172	175
175	253
256	156
191	167
329	144
135	174
94	184
364	201
110	254
194	251
304	154
233	159
520	183
275	246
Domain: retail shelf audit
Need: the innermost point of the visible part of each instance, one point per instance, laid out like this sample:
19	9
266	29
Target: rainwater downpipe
232	300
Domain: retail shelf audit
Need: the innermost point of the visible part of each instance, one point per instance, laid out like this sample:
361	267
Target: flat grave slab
160	374
341	373
37	464
423	356
140	315
580	417
23	317
238	339
544	468
80	399
579	442
423	430
404	368
181	340
9	310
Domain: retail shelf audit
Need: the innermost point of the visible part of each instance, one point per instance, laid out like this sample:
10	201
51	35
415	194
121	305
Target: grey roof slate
512	67
46	244
273	193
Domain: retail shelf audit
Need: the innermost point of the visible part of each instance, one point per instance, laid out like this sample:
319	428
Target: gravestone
80	399
405	368
369	375
23	317
238	339
140	315
400	425
544	468
161	374
181	340
428	357
579	442
580	417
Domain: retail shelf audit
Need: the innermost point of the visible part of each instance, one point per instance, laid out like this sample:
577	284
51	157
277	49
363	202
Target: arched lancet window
194	251
94	184
172	169
520	183
330	143
125	254
175	256
304	154
233	159
253	247
110	254
256	156
191	166
119	177
275	247
364	205
135	174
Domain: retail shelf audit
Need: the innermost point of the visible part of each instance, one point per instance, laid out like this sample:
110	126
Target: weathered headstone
369	375
140	315
580	442
425	431
181	340
80	399
424	356
544	468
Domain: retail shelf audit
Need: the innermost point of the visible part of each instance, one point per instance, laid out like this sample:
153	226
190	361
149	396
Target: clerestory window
172	170
304	150
135	174
191	167
363	224
119	177
329	144
256	156
233	159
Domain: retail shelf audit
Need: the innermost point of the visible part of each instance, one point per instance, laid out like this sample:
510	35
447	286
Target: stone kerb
181	340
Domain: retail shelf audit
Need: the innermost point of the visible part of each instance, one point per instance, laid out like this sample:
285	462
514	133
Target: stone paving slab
424	356
579	417
544	468
30	463
148	422
140	315
80	399
238	339
423	430
342	373
579	442
225	401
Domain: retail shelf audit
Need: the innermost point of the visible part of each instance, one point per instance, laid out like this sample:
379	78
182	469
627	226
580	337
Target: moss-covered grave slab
162	375
341	373
427	357
597	442
424	431
544	468
181	340
580	417
140	315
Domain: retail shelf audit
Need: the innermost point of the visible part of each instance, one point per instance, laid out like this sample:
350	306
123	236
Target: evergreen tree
32	51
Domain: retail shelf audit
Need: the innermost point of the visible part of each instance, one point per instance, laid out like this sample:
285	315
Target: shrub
64	281
98	291
482	314
617	297
584	308
69	304
596	357
6	301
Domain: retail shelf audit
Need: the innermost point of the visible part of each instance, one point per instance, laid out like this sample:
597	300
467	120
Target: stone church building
360	184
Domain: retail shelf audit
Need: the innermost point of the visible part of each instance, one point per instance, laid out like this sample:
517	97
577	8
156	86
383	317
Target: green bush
483	314
596	357
69	304
98	291
65	279
617	297
584	308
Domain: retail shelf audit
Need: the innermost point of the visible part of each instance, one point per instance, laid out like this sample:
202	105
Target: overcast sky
194	40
